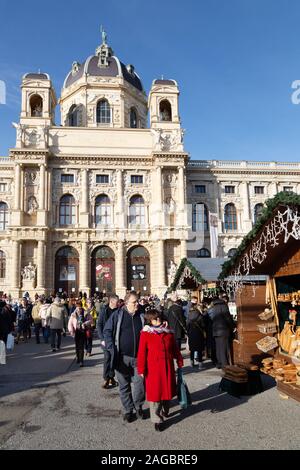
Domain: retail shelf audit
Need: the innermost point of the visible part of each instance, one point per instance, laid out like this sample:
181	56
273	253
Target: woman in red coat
155	362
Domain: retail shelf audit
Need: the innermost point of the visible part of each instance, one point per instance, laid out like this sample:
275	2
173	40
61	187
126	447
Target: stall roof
187	276
210	268
261	249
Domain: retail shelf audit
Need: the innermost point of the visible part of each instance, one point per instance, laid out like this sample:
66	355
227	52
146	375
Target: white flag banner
213	229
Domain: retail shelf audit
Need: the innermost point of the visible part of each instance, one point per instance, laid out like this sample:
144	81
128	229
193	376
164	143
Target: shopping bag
10	343
183	394
2	352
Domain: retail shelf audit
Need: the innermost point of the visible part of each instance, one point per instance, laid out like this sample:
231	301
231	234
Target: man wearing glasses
122	335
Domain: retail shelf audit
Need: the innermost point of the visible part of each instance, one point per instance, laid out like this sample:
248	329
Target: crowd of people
141	337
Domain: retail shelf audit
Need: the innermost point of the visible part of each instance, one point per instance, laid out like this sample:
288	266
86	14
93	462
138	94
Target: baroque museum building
106	202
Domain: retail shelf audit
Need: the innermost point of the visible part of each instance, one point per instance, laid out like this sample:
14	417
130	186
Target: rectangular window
102	179
229	189
136	179
288	189
67	178
259	189
200	188
3	187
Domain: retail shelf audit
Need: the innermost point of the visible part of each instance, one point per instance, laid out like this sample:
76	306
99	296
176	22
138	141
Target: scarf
157	329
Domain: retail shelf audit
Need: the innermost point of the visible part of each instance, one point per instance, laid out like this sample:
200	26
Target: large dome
114	68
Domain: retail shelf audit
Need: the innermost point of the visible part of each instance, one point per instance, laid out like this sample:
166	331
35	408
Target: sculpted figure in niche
28	272
32	205
171	272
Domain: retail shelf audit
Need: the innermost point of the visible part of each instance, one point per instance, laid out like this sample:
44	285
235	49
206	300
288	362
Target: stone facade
101	200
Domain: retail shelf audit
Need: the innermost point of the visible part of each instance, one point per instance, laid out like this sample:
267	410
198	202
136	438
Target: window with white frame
136	179
3	216
102	179
137	210
102	210
66	178
3	187
259	189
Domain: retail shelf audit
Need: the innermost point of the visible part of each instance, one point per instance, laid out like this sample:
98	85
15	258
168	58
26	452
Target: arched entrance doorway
138	270
67	271
103	270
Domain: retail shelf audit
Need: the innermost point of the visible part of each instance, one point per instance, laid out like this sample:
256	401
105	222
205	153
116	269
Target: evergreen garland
196	275
283	198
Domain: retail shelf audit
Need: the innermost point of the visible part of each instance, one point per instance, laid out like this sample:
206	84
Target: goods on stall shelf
281	370
267	328
266	314
289	297
267	344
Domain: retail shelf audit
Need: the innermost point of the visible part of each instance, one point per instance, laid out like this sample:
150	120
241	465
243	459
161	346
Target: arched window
67	210
230	217
3	216
137	211
73	116
2	264
36	106
200	217
258	211
133	119
102	210
231	252
103	112
165	111
203	253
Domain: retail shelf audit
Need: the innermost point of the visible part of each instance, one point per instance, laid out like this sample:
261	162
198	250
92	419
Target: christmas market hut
188	278
264	274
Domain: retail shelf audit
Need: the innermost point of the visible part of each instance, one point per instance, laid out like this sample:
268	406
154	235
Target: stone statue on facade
172	269
20	128
28	272
32	205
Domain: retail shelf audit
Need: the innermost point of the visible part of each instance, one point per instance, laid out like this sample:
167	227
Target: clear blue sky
234	60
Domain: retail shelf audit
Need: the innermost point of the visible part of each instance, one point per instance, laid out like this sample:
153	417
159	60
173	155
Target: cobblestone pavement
48	402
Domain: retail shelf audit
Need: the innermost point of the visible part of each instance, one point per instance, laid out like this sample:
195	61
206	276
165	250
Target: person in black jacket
196	333
6	321
106	311
122	335
222	328
176	320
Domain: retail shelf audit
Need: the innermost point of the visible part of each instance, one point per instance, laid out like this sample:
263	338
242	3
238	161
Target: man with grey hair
121	335
105	313
56	318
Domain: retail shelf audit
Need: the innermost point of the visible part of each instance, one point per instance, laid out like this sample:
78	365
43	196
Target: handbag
10	343
88	333
183	394
2	353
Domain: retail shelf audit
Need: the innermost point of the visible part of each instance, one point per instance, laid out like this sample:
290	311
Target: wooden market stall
268	312
188	278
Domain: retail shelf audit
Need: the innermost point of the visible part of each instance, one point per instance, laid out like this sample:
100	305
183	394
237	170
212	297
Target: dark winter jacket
6	323
104	315
176	320
195	329
112	333
222	321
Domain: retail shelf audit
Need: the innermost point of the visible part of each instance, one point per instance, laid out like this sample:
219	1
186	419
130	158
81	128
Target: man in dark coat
222	328
122	335
176	320
105	313
6	321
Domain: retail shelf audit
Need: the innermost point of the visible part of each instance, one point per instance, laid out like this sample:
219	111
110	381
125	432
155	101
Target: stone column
183	249
42	188
120	270
161	278
84	212
15	269
246	217
17	187
120	210
181	197
84	268
41	255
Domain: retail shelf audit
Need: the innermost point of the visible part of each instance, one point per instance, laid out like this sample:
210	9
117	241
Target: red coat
155	361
